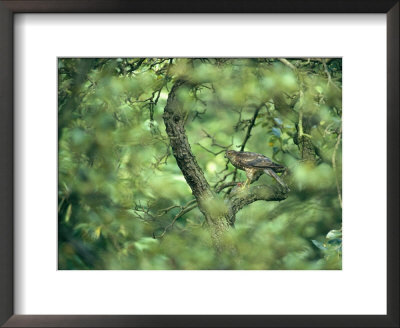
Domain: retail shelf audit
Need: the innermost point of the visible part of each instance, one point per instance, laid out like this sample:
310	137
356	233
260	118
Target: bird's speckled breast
237	163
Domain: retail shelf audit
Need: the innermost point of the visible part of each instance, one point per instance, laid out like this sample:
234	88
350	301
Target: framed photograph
199	164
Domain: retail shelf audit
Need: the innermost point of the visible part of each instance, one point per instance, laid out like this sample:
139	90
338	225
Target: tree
113	207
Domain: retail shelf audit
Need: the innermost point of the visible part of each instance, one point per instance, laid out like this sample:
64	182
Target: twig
166	210
250	127
198	114
223	178
210	151
214	144
184	209
287	63
225	185
163	158
329	75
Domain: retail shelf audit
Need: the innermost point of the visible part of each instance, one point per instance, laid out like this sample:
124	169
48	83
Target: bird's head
230	153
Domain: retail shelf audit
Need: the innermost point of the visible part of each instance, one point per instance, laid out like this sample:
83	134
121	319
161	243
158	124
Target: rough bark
240	197
174	119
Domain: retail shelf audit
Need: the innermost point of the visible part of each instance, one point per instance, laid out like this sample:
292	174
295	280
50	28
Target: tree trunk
174	118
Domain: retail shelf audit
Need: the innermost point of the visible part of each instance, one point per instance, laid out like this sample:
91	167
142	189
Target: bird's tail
276	177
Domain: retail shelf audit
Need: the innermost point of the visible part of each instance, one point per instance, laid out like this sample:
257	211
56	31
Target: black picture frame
11	7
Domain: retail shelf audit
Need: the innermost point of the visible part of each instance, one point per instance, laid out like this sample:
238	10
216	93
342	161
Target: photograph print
199	163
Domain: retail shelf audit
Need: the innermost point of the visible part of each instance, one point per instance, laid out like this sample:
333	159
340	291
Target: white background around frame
360	288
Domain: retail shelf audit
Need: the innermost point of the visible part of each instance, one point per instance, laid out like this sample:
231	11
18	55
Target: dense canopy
143	180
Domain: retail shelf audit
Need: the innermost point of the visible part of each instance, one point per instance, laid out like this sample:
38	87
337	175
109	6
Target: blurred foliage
123	202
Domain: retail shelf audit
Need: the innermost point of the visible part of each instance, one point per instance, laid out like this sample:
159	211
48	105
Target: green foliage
123	201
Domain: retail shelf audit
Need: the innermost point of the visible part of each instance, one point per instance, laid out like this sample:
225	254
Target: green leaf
68	214
97	232
334	234
276	132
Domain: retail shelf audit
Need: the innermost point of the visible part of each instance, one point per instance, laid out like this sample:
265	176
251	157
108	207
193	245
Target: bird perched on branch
254	165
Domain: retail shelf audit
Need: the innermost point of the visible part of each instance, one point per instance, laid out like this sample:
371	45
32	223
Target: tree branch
184	209
250	127
324	61
287	63
222	186
214	144
240	197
